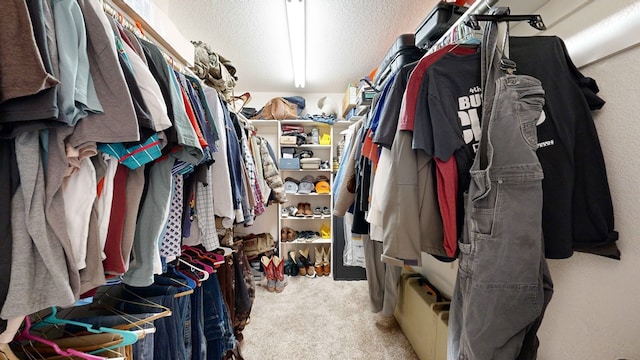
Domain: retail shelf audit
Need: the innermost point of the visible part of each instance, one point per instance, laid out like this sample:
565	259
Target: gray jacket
271	174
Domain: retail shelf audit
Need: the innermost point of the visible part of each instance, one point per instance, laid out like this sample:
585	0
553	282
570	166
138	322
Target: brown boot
304	258
326	266
300	212
307	210
318	263
270	272
278	266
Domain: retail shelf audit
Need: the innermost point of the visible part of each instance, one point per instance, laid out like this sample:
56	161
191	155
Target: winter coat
271	174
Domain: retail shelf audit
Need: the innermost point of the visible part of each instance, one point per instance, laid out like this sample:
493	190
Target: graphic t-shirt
447	127
449	117
410	97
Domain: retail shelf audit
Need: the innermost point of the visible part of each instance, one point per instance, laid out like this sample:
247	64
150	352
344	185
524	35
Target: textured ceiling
346	39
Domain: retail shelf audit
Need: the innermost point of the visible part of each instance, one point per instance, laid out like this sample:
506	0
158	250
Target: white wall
258	99
595	311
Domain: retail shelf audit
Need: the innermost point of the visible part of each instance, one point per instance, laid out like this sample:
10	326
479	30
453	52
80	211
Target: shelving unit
273	221
314	224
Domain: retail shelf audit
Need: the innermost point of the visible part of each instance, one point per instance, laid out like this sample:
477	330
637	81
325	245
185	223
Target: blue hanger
128	337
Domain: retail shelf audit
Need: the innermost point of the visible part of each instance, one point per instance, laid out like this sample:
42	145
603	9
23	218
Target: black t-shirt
577	211
449	107
386	131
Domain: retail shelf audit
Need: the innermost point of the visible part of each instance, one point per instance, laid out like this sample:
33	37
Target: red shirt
447	187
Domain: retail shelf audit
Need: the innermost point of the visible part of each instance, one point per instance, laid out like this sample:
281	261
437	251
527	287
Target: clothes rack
129	18
477	8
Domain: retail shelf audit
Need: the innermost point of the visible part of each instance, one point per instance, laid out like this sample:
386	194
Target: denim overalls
499	296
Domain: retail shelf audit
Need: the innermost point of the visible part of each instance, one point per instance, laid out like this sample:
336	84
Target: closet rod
130	15
477	8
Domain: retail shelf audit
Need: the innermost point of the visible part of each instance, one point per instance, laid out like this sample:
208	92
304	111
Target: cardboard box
349	100
288	152
290	164
288	140
310	163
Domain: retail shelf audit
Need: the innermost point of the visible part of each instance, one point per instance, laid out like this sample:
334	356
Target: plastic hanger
25	335
192	256
196	260
216	259
205	274
128	337
188	282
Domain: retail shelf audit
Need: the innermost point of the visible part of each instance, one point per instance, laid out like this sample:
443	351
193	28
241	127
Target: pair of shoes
289	211
274	269
288	234
308	235
304	260
301	259
290	268
293	256
304	210
321	264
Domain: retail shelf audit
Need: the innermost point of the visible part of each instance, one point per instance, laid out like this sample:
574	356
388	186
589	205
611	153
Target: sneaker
317	212
326	211
292	210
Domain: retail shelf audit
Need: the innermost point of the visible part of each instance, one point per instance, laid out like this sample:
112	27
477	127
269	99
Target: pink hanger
25	335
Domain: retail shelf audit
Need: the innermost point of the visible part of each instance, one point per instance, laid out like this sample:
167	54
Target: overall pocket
528	110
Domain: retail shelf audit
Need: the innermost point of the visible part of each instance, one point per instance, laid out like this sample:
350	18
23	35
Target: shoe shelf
306	146
310	194
321	224
305	170
307	242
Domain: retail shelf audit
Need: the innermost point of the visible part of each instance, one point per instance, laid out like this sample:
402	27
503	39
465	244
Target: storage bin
418	313
290	164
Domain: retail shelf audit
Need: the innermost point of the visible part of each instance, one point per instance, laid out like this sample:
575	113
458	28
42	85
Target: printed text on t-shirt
469	115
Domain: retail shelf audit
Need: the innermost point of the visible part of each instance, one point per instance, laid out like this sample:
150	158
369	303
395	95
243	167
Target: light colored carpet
319	319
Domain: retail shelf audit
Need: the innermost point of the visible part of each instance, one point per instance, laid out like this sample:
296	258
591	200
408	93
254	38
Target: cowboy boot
269	270
318	262
301	269
326	267
278	266
304	258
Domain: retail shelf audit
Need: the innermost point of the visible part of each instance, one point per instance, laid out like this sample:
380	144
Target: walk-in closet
319	179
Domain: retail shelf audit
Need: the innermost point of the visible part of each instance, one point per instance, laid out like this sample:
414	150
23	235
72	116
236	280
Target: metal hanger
534	20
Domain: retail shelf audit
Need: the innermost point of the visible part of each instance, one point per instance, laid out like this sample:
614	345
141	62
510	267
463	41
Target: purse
255	245
278	109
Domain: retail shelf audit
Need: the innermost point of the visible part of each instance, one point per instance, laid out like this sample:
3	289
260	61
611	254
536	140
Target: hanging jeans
500	292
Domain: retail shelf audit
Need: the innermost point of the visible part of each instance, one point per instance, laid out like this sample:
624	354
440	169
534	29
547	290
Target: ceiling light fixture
297	31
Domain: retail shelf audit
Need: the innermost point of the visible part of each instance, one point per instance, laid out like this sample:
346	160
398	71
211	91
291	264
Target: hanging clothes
118	123
499	291
24	36
570	153
33	242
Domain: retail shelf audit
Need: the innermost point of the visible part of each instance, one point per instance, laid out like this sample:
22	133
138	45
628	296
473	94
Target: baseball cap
291	185
322	185
306	185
